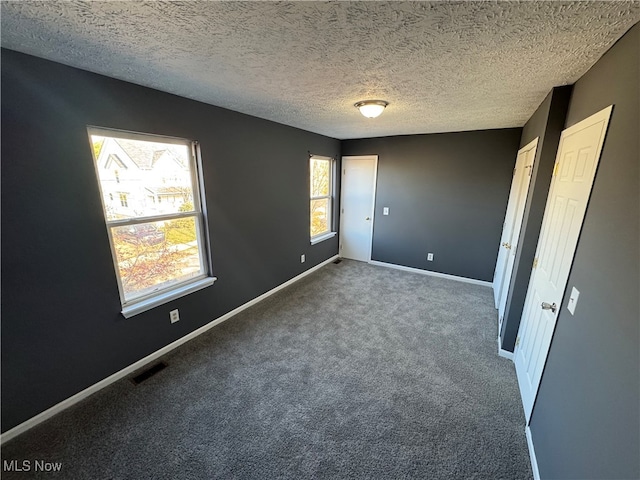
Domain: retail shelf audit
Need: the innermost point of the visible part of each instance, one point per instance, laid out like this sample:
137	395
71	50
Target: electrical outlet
430	257
174	315
302	258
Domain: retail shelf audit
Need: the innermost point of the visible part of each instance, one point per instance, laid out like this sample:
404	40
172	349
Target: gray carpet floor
354	372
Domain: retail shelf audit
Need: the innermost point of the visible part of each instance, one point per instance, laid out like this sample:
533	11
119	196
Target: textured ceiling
442	66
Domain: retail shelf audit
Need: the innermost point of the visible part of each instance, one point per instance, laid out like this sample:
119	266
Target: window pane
320	177
156	255
140	178
320	216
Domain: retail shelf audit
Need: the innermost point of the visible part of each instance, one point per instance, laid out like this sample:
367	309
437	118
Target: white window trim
144	303
322	237
166	296
331	232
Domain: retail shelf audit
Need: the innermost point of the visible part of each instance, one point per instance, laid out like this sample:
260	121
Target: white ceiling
442	66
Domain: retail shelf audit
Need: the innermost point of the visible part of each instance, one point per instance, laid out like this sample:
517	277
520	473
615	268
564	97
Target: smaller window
321	197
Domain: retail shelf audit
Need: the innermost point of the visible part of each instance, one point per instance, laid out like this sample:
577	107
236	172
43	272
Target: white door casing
512	224
357	206
508	225
576	163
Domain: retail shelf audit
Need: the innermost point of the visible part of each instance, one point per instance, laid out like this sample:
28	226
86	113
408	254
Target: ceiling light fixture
371	108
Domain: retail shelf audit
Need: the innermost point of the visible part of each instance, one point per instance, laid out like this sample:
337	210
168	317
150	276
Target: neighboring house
142	177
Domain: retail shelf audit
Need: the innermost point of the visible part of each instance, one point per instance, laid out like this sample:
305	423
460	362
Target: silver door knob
549	306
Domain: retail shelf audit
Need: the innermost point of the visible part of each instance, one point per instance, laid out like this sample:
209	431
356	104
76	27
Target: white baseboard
532	454
504	353
41	417
430	273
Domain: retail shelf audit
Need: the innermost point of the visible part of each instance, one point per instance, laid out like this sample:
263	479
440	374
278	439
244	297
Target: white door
576	163
356	213
512	225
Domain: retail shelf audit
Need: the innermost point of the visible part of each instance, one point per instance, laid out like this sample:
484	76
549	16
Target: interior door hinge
529	168
555	169
517	341
535	262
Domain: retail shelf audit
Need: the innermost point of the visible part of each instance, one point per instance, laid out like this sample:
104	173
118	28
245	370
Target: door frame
530	149
604	116
373	198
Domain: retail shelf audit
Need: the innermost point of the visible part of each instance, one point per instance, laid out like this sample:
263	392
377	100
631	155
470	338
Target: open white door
512	225
576	164
357	205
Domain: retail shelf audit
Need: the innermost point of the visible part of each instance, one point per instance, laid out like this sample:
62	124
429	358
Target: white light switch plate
573	300
385	211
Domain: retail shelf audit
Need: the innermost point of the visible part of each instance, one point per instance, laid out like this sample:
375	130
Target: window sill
323	237
149	303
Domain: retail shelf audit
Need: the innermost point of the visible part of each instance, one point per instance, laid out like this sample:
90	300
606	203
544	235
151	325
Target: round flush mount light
371	108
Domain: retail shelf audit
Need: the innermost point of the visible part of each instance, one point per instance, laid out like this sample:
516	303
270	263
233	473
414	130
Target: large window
153	212
321	182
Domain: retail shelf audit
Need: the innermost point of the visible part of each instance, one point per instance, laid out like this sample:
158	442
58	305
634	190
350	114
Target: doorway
512	226
576	163
358	193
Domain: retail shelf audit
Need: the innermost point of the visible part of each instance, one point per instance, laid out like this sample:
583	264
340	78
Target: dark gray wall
62	330
447	194
586	419
547	124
